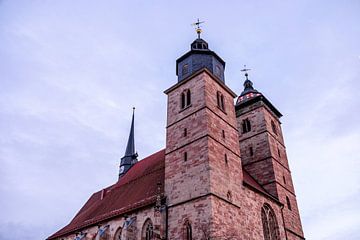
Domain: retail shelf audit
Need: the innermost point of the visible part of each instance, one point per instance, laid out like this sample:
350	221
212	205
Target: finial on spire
246	71
198	29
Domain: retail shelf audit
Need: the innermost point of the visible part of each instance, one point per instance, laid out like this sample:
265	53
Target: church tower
263	152
202	158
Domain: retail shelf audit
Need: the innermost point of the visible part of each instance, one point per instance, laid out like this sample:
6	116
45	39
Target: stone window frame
246	125
185	99
118	232
220	100
147	232
269	222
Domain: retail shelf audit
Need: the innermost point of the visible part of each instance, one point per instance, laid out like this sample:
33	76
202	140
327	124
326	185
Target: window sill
183	109
221	109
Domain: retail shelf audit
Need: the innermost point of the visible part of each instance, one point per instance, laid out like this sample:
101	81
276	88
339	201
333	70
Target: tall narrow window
187	231
246	126
279	152
251	151
226	159
273	126
183	103
185	156
222	105
188	97
284	179
220	100
223	133
185	98
185	132
147	230
288	203
270	226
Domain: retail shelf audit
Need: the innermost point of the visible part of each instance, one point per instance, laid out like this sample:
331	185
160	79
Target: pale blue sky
70	72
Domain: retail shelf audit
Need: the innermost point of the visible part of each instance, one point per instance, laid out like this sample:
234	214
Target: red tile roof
136	189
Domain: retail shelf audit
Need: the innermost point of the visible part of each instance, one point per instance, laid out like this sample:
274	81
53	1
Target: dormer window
246	125
185	98
220	100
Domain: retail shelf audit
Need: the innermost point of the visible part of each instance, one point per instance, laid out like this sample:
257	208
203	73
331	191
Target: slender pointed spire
130	156
130	148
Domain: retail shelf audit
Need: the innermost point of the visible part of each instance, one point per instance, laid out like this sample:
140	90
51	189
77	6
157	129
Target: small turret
130	157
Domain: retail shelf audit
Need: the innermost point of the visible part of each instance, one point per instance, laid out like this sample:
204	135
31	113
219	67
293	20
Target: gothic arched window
185	98
147	230
187	231
270	226
220	100
118	234
246	126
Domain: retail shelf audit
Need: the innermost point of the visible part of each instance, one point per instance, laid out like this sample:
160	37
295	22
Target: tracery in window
270	226
147	230
118	234
246	125
185	98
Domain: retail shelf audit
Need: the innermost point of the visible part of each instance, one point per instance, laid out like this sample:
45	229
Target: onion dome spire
130	157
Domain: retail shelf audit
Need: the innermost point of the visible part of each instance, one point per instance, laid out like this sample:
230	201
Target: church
224	173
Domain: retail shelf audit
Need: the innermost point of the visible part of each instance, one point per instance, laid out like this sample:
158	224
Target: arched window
118	234
185	98
270	226
187	231
147	230
220	100
246	126
188	97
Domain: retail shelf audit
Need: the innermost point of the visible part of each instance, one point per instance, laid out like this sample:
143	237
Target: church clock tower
202	159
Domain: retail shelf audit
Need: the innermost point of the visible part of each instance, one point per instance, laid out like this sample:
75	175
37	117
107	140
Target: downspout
282	215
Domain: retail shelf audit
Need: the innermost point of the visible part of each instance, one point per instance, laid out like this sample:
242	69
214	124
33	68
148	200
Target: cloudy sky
70	72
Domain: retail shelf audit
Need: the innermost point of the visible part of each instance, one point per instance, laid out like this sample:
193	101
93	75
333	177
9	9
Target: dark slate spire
248	86
130	157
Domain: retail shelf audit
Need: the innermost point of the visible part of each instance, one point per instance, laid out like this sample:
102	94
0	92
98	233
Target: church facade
223	174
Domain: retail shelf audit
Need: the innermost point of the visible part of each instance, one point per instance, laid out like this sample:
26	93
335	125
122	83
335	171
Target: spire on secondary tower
130	157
